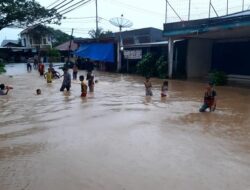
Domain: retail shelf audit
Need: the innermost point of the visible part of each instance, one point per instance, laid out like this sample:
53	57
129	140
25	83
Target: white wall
199	57
27	37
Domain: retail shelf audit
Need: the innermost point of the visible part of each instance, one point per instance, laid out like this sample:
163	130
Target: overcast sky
143	13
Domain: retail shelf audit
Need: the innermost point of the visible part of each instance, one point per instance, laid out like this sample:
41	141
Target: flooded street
116	139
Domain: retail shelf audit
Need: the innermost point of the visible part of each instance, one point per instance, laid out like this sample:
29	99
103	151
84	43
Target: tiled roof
65	46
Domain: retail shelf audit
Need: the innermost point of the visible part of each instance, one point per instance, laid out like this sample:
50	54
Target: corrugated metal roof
4	42
147	44
242	13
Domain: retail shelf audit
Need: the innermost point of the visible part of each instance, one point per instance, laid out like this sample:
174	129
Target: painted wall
199	57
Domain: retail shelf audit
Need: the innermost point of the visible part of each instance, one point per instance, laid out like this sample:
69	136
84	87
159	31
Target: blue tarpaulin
97	51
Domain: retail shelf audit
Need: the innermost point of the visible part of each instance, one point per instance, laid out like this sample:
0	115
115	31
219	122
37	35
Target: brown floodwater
116	139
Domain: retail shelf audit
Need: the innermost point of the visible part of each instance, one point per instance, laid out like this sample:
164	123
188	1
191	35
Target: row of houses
193	48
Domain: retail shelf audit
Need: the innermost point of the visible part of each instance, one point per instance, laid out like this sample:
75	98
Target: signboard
132	54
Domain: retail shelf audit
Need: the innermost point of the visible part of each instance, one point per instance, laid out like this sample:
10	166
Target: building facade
36	36
198	47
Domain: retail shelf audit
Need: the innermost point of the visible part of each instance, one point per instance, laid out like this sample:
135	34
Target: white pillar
170	57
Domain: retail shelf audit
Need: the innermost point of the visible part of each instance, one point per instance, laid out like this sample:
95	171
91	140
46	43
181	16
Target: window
44	41
30	41
24	42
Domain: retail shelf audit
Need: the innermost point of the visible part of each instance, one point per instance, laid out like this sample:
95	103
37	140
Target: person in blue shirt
66	80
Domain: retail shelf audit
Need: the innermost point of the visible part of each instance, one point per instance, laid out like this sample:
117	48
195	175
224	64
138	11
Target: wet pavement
116	139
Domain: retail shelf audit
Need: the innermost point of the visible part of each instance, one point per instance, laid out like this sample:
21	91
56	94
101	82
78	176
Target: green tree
25	12
147	66
99	33
162	67
58	36
54	55
2	65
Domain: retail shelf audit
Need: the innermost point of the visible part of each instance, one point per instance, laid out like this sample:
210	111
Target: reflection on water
117	138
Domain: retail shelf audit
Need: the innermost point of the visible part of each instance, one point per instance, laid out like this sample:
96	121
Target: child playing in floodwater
66	80
41	69
84	87
148	87
49	76
89	74
38	91
164	89
91	83
75	70
3	87
209	99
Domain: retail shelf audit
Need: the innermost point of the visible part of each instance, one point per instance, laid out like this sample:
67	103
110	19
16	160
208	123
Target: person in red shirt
209	99
41	69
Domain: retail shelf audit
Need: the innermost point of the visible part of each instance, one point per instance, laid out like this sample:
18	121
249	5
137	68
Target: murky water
117	139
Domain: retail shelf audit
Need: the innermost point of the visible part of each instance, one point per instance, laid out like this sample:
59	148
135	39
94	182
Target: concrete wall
199	57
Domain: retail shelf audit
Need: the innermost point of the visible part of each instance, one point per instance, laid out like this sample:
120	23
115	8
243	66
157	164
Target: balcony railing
42	46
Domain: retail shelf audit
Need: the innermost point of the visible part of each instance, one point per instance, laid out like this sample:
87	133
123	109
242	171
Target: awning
97	52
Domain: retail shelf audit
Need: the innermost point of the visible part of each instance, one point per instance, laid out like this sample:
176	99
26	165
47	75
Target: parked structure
199	46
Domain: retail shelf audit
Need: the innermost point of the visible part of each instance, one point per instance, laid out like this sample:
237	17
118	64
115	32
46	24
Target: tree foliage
2	65
25	12
153	66
219	78
147	67
162	67
53	53
99	33
58	37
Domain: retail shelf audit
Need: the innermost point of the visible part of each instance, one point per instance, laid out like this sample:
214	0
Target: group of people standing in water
66	83
210	94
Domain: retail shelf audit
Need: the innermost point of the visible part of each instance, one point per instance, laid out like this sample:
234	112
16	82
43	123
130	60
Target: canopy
97	51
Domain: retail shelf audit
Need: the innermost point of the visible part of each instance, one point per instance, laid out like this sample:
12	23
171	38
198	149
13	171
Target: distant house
37	36
136	43
64	49
10	43
138	36
65	46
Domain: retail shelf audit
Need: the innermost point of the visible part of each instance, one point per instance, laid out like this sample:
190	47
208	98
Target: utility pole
227	7
243	5
166	13
209	14
71	38
189	8
96	17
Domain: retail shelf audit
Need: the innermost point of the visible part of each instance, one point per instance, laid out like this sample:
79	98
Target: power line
76	7
64	5
58	4
80	18
53	3
83	3
71	5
